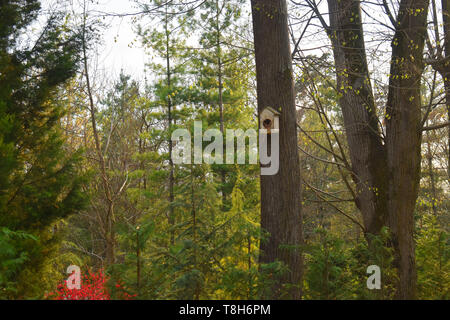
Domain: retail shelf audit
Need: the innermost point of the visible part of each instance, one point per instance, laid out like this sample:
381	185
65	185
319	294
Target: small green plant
374	250
327	276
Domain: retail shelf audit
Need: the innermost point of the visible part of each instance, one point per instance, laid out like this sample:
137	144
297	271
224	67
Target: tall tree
168	44
110	191
39	181
222	19
386	170
439	53
220	65
280	193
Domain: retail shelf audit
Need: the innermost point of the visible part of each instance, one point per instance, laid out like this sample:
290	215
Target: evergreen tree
39	181
222	70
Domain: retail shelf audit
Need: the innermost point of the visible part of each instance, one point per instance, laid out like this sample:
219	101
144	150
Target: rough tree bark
440	58
367	152
404	136
281	193
386	175
445	70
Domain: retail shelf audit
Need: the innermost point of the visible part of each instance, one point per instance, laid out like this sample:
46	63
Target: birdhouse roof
272	110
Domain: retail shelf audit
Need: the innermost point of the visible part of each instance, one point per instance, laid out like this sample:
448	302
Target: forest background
86	175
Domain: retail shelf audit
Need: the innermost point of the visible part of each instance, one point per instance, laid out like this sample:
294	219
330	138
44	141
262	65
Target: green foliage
432	256
337	269
376	250
39	181
328	276
11	260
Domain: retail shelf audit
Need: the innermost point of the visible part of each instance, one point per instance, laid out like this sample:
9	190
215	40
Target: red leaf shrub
92	288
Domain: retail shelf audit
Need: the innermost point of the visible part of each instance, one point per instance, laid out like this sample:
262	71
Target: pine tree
222	74
39	181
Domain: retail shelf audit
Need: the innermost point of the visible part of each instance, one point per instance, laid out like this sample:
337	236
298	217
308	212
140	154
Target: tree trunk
108	220
171	217
110	238
194	231
386	175
138	263
367	153
446	69
281	193
404	136
431	175
220	97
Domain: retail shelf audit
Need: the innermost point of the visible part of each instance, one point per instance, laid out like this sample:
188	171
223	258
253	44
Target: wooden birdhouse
269	119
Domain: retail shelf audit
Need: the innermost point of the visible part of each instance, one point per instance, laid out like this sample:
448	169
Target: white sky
119	50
